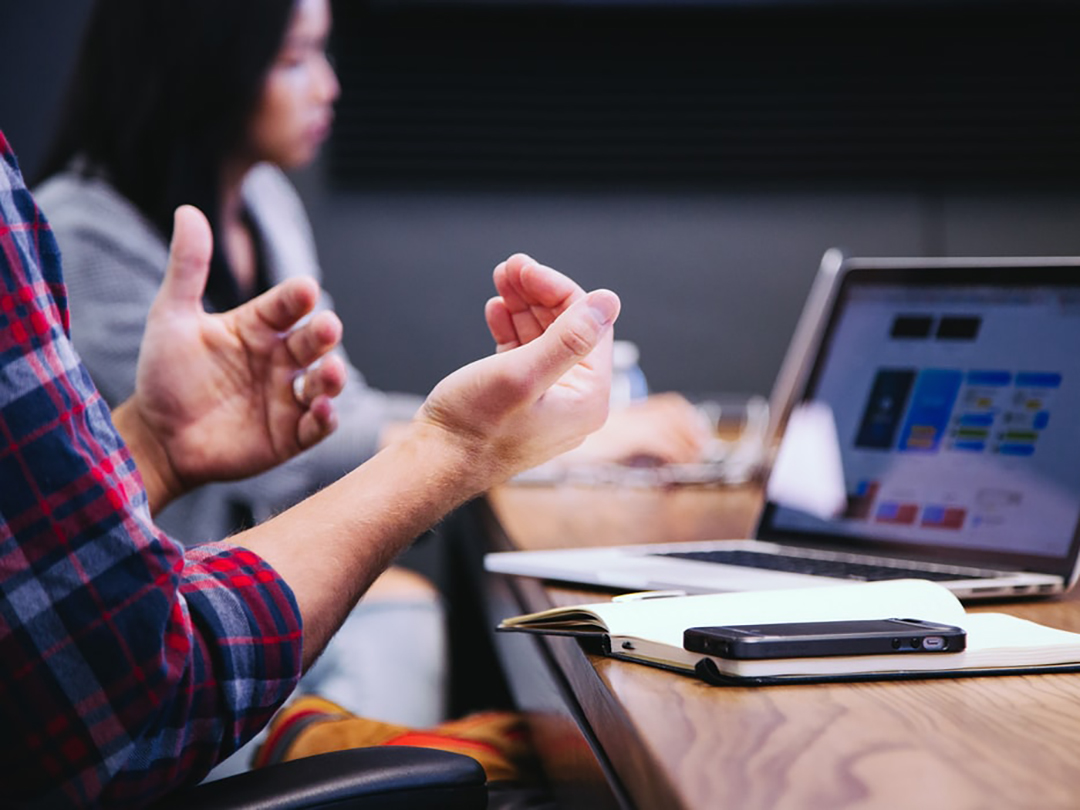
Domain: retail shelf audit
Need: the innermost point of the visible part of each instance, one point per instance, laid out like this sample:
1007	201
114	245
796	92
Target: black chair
377	778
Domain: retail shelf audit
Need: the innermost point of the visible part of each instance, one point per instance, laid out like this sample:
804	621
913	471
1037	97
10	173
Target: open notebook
933	434
650	631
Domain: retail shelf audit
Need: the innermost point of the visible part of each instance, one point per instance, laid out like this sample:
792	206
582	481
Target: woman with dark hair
199	102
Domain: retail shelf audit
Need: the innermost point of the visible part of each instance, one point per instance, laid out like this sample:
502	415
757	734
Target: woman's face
293	116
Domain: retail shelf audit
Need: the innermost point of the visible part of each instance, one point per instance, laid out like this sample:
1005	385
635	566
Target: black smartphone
815	639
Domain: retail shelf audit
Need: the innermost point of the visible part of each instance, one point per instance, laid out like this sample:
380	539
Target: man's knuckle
575	340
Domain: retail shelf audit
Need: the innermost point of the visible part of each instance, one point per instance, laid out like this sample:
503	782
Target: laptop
928	413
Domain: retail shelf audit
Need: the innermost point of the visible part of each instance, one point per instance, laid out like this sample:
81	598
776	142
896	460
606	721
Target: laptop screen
955	393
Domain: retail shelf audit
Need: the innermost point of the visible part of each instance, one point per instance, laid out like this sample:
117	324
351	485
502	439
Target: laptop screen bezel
854	272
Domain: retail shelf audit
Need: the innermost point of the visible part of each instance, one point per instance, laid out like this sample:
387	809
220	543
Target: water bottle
627	379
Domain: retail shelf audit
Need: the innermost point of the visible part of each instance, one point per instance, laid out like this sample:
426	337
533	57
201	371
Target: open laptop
952	389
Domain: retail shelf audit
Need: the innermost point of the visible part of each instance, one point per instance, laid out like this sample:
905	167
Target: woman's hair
162	94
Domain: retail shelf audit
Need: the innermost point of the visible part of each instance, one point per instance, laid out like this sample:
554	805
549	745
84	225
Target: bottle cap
625	354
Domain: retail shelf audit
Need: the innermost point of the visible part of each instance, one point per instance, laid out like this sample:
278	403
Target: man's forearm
330	547
480	425
159	478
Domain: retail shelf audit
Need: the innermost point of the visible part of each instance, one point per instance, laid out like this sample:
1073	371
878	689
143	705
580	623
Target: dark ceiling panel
479	96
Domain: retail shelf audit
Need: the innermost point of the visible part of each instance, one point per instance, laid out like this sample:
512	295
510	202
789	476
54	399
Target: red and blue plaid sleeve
129	667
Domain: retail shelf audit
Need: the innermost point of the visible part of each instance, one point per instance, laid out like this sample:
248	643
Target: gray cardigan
114	261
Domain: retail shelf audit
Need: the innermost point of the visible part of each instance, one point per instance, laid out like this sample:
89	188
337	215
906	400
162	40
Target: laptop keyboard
827	567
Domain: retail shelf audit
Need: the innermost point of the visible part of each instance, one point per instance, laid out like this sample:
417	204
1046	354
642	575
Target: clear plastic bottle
627	379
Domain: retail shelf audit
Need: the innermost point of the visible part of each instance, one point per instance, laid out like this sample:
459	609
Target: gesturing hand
664	427
546	388
214	393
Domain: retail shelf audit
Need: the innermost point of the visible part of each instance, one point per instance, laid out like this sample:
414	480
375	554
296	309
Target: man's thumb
574	335
189	257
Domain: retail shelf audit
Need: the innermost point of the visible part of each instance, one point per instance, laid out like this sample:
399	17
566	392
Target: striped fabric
127	666
310	725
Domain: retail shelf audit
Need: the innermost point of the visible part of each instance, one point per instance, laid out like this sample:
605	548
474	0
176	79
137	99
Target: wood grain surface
673	741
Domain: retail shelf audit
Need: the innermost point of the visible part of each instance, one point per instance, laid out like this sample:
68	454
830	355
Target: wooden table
617	734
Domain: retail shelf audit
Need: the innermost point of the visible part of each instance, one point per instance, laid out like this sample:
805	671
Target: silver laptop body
952	394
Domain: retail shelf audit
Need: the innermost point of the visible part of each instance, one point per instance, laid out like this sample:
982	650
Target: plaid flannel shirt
128	666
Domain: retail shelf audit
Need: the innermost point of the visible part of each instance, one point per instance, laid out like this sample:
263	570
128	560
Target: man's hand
214	394
548	385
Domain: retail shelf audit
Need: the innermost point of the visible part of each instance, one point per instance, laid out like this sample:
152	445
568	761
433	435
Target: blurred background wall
696	157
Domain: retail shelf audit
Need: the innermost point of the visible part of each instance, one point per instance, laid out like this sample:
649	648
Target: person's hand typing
215	397
659	429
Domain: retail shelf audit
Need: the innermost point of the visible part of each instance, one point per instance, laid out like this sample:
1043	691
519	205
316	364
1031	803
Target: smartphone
816	639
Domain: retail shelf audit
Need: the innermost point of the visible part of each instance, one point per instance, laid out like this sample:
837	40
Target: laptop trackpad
654	572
